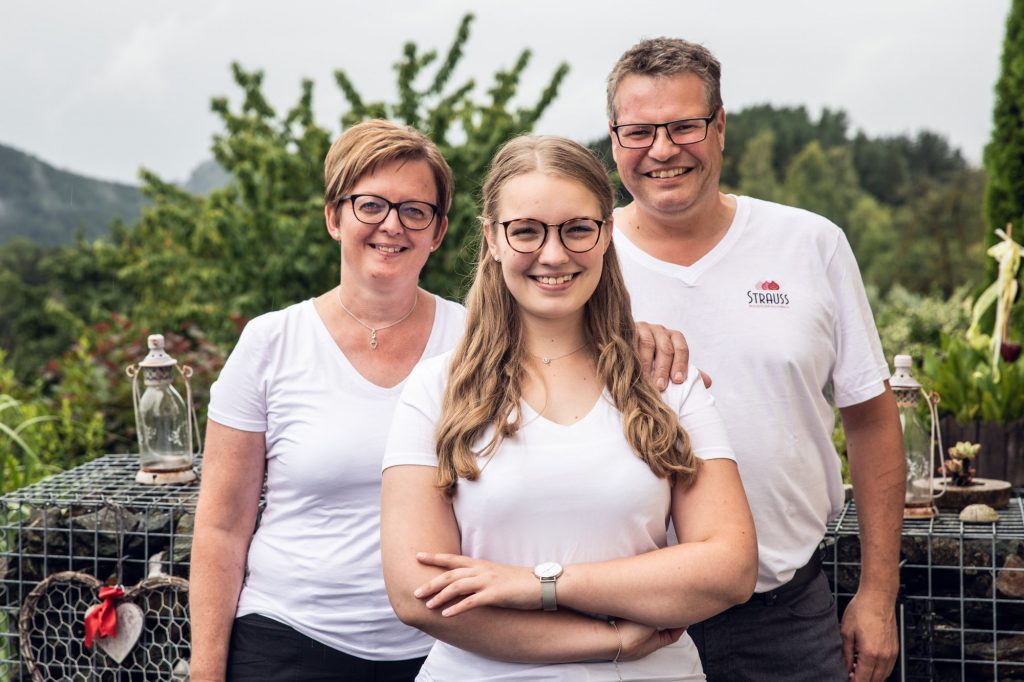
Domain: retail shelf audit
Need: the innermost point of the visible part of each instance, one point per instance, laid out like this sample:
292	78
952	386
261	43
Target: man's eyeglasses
578	235
373	210
683	131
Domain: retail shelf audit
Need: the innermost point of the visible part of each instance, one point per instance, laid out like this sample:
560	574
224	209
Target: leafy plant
962	375
913	324
40	436
1001	294
958	465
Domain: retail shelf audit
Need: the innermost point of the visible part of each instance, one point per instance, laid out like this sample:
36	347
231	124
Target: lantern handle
193	420
133	372
935	445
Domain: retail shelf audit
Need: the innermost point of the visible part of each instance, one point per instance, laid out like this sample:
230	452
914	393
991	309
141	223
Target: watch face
548	569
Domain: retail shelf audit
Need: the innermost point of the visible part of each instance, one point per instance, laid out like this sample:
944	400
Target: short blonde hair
365	147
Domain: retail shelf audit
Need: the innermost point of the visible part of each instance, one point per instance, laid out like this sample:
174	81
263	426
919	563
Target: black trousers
265	650
794	638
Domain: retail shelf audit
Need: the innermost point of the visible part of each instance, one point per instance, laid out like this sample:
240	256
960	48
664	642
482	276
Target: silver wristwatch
548	572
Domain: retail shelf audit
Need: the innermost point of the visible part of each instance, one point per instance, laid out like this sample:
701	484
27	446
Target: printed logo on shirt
767	294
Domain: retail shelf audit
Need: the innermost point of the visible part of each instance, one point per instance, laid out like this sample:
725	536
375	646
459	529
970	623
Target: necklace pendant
546	361
373	339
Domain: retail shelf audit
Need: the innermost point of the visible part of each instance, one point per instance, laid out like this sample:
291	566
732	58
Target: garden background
89	268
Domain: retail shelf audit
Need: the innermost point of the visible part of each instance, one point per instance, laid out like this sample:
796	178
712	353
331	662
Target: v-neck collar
343	360
688	274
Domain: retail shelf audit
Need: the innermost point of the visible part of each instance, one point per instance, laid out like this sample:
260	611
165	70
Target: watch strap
547	594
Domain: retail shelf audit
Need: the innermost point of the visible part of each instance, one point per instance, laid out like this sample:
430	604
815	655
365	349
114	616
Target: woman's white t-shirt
314	562
570	494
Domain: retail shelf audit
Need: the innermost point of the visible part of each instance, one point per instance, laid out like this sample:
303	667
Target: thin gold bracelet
611	621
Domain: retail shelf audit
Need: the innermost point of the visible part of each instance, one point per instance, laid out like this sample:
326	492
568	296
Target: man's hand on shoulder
663	354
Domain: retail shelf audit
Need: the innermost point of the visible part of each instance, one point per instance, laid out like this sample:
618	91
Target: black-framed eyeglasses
527	235
683	131
373	210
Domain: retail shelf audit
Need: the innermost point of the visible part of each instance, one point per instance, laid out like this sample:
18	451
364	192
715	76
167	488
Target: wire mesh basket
962	593
63	538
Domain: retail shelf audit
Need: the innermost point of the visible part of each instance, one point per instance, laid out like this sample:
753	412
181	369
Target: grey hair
667	57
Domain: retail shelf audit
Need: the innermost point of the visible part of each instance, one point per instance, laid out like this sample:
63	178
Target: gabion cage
962	593
65	537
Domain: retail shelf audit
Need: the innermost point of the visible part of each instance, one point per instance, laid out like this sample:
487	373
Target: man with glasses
774	309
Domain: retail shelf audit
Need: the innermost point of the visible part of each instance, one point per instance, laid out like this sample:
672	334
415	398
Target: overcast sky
102	88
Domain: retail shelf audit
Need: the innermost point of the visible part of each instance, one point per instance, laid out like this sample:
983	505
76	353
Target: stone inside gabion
978	513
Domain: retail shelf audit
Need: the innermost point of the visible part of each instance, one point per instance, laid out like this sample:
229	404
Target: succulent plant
958	467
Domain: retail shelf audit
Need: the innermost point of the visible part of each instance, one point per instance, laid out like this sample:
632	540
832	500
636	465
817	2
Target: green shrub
913	324
962	376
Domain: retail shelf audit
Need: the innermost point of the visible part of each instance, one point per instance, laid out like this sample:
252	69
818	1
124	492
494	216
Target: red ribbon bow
102	620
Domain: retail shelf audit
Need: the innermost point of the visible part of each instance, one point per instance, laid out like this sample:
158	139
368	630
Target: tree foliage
910	206
260	243
1004	155
197	267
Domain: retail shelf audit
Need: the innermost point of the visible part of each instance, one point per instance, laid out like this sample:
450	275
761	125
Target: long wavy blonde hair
487	372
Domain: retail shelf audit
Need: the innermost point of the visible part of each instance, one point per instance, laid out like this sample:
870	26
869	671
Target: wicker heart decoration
153	632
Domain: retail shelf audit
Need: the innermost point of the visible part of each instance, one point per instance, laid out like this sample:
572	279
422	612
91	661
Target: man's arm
874	442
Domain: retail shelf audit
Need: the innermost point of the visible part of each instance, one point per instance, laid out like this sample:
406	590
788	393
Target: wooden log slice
994	493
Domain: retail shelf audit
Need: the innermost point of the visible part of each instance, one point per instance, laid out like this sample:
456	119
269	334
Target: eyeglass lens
577	235
415	215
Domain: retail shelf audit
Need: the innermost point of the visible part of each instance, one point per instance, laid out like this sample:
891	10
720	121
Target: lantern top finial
902	378
157	356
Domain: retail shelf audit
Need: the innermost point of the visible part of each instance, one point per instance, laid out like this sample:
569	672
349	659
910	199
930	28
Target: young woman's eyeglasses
373	210
683	131
578	235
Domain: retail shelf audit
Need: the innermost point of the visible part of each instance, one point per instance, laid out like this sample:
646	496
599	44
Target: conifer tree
1004	155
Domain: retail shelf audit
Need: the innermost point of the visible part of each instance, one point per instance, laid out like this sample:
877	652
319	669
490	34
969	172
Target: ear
331	218
492	248
720	126
614	142
442	229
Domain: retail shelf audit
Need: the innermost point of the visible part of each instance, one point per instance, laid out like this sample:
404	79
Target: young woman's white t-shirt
570	494
314	562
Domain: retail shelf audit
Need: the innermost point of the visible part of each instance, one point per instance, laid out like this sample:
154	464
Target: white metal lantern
920	447
164	422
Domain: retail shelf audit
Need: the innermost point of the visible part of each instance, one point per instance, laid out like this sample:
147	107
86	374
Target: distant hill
46	205
207	177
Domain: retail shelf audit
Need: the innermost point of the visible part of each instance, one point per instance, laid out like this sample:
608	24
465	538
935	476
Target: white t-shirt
570	494
314	562
776	313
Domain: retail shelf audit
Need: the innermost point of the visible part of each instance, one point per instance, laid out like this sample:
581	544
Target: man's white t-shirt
314	563
551	492
776	313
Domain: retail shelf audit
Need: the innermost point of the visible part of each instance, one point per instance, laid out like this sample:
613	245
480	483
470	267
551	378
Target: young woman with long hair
532	473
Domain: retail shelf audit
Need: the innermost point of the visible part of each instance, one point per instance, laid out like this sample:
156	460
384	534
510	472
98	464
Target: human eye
637	132
415	210
686	126
580	228
371	205
524	229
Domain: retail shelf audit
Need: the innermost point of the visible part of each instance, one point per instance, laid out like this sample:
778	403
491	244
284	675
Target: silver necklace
374	330
547	360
